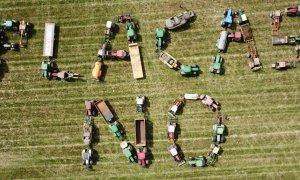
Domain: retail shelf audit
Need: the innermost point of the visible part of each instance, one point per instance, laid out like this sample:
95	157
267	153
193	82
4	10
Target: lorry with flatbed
135	59
104	110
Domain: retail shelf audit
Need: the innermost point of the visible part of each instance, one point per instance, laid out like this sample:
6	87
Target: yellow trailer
135	59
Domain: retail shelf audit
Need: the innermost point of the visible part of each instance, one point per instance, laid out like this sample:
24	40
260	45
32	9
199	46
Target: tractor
242	18
160	37
207	100
178	156
219	129
65	75
199	161
293	11
176	104
142	156
171	129
103	51
283	65
90	107
276	16
109	28
179	19
228	18
128	151
10	25
119	54
87	158
24	32
123	18
235	36
131	34
216	66
47	69
117	130
213	154
189	70
140	104
88	131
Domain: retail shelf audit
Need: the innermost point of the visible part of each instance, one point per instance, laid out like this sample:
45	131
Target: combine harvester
140	141
254	61
135	59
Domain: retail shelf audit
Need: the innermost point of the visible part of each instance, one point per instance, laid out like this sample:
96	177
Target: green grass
41	121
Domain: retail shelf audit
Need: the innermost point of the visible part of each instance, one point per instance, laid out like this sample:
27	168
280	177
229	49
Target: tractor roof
186	68
123	144
114	128
127	152
173	151
160	33
109	24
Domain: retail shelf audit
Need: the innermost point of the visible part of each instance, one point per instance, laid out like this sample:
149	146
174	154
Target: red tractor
276	16
123	18
142	156
178	156
90	107
119	54
209	101
293	11
236	36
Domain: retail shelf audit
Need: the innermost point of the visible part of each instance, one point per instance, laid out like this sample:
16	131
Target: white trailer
136	63
49	39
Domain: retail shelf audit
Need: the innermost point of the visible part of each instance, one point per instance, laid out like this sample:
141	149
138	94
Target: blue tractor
228	18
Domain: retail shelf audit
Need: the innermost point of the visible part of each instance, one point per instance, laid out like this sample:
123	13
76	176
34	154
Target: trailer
135	59
140	130
49	39
285	40
222	42
104	110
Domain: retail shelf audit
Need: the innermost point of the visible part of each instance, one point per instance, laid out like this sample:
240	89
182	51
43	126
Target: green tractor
131	34
46	68
10	25
117	130
219	130
189	70
213	154
160	37
129	151
216	66
199	161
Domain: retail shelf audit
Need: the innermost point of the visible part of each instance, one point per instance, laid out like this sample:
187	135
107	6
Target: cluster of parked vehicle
219	132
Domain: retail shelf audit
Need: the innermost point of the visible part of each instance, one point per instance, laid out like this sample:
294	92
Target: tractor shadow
56	41
180	151
96	134
150	157
142	62
149	134
3	69
104	72
178	131
96	157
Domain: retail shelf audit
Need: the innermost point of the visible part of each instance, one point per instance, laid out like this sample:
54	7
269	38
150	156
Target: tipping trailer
104	110
49	39
135	59
140	130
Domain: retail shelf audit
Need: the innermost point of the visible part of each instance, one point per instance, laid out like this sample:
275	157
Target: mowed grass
41	121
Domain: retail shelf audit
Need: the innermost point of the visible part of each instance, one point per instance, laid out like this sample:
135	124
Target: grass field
41	121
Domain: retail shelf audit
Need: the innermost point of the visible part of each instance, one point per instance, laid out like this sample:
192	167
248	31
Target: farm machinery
168	60
176	104
103	51
246	31
276	16
228	18
104	110
171	129
293	11
222	41
109	29
285	40
131	31
10	25
192	96
128	151
117	130
65	75
141	142
88	131
160	37
140	104
6	45
199	161
219	129
189	70
283	65
87	158
97	71
123	18
179	19
176	154
216	66
209	101
235	36
90	107
213	154
47	68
